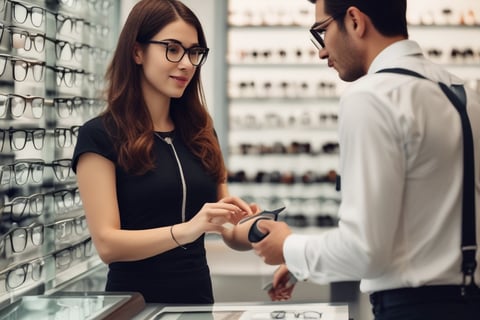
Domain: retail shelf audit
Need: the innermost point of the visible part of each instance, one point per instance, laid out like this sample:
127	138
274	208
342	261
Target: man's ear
356	20
137	54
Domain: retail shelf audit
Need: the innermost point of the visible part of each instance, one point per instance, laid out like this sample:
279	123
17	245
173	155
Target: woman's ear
137	53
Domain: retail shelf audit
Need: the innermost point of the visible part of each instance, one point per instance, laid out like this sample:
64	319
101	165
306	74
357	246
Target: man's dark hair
388	16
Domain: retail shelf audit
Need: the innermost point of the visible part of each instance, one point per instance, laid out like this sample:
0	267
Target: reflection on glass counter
253	311
75	306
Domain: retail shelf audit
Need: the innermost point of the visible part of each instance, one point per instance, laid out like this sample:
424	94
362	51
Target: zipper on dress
169	141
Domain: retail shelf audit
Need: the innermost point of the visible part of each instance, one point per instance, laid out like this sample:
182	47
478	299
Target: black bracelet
173	237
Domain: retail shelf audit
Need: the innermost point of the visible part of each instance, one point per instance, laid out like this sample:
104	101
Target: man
401	162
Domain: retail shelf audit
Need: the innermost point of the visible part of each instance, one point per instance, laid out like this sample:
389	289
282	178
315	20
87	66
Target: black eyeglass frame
318	34
185	51
282	314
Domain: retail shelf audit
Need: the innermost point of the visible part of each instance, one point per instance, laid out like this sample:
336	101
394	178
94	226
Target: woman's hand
246	209
236	236
211	218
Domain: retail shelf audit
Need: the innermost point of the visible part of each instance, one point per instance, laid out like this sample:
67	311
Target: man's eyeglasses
318	33
175	51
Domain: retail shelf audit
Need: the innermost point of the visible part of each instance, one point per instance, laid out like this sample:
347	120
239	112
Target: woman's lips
180	80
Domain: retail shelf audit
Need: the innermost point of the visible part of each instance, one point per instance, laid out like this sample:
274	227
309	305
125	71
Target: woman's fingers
241	204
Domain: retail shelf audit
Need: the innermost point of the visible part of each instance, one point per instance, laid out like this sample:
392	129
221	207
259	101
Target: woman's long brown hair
127	117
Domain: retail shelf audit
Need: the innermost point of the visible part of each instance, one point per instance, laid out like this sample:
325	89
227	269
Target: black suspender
456	95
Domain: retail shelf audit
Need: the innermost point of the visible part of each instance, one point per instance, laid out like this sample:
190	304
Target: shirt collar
393	52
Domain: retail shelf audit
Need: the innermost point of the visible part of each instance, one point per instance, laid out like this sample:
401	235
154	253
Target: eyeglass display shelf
76	306
304	27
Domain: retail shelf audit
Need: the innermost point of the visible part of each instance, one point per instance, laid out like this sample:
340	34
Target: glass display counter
252	311
76	306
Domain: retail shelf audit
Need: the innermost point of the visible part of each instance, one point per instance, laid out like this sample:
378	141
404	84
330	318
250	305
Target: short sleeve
93	137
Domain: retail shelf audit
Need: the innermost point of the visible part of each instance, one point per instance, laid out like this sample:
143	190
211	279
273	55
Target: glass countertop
254	311
74	306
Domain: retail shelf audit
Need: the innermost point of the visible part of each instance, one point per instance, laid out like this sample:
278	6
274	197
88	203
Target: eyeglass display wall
282	100
53	55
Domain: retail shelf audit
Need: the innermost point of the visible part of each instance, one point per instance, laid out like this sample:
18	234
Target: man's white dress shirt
401	163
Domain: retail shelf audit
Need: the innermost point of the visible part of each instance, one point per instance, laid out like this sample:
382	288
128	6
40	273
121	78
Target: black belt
404	296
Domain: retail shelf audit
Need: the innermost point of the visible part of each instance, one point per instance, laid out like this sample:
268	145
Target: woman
149	169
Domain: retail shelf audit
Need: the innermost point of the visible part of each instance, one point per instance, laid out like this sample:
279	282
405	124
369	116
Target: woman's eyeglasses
175	51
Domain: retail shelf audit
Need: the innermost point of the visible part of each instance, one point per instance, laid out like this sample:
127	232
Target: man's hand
282	285
270	248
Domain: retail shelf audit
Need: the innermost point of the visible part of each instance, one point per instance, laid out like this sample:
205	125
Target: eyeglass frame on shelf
36	135
36	272
69	198
28	64
69	136
6	104
29	10
34	230
16	209
32	167
65	228
71	254
18	34
67	75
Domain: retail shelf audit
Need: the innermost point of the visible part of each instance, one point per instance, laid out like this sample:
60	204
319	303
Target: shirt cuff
294	254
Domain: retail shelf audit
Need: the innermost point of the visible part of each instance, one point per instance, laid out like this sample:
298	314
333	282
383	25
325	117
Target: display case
76	306
250	311
283	100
